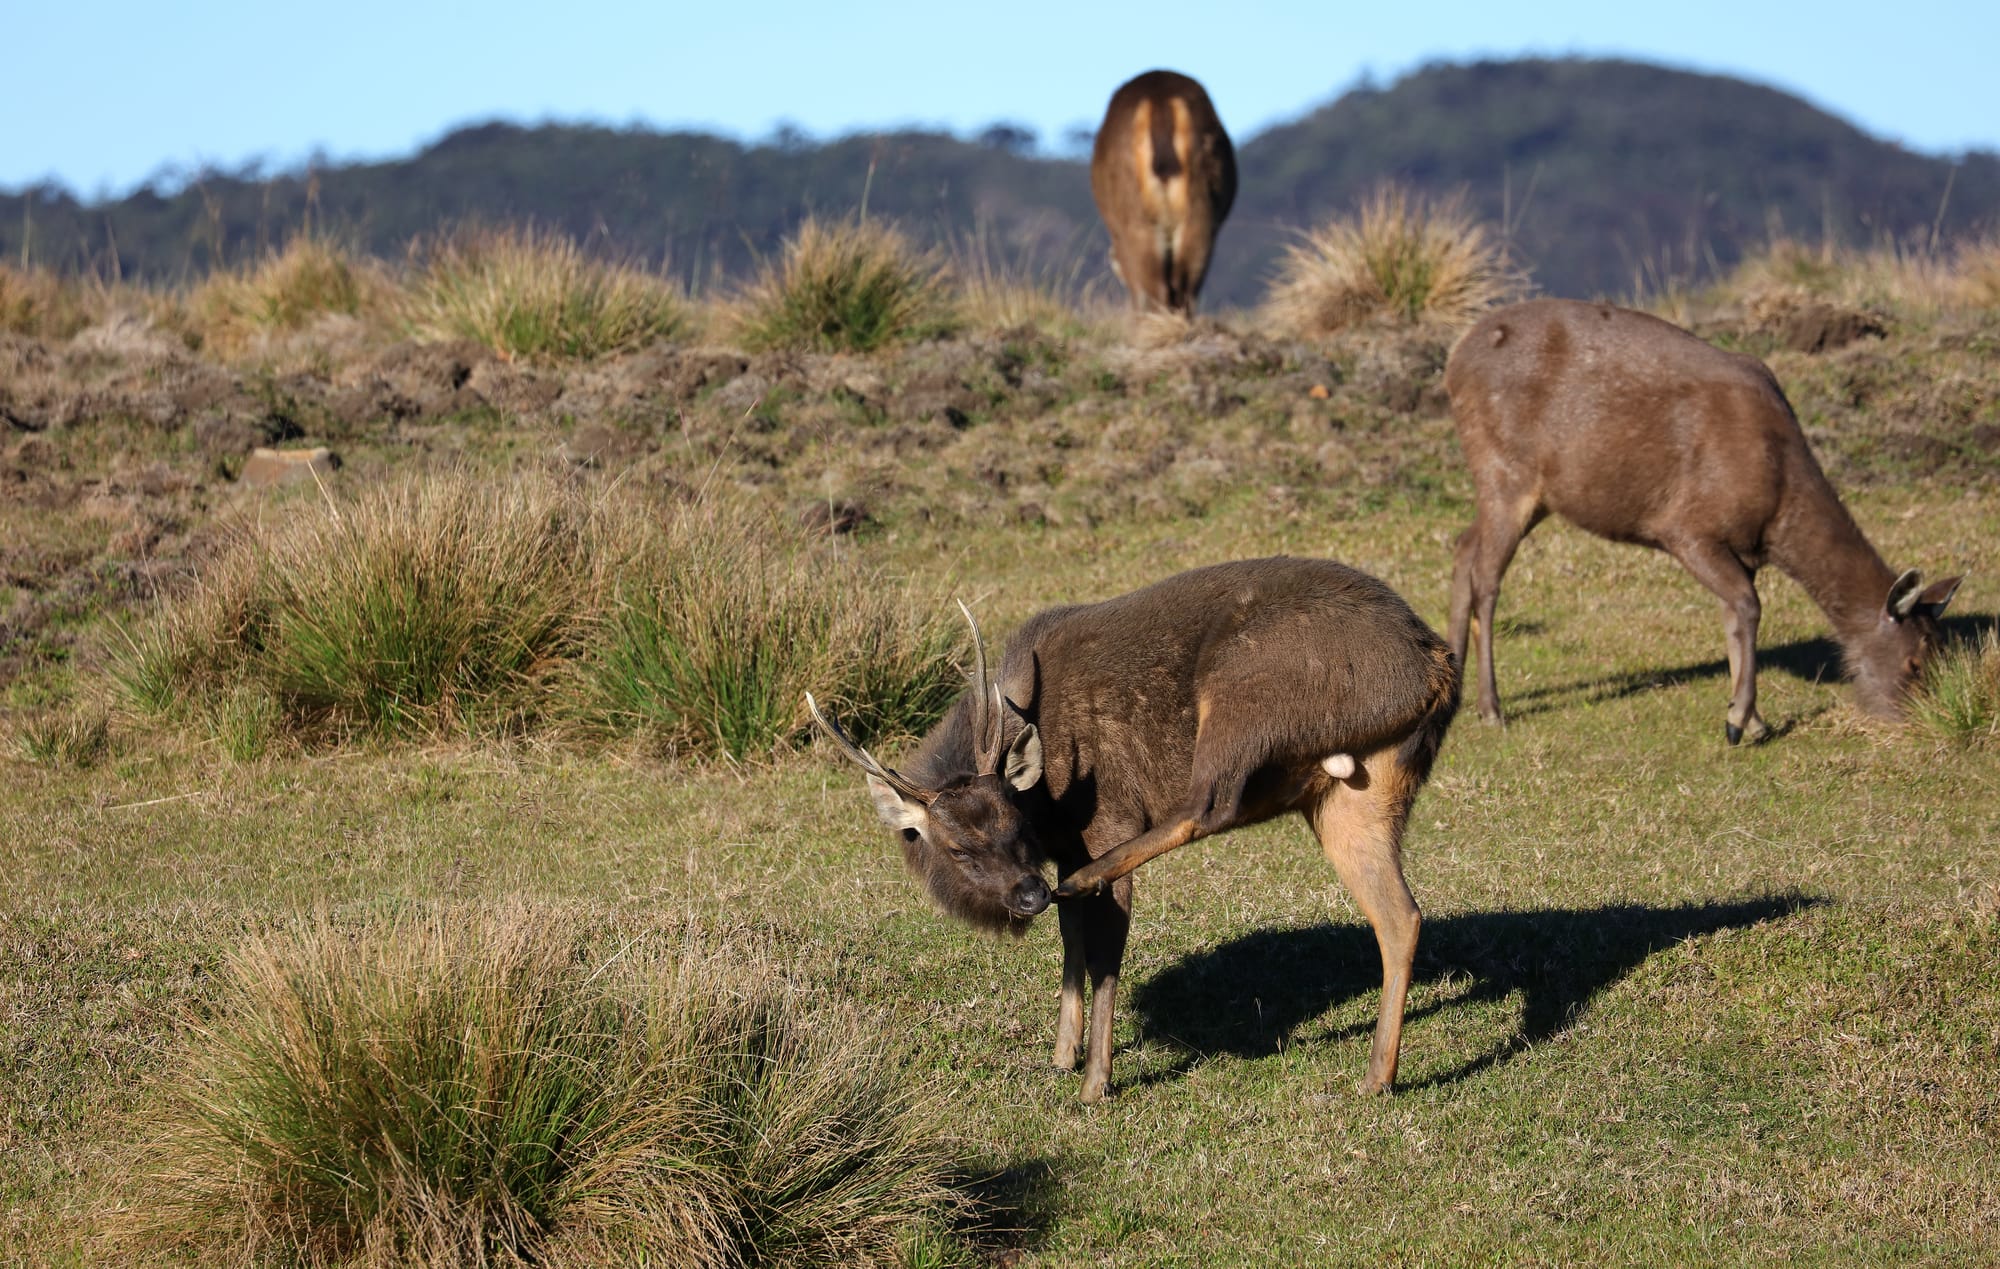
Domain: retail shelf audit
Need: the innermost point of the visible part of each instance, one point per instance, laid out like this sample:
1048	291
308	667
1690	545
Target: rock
1811	328
273	468
601	445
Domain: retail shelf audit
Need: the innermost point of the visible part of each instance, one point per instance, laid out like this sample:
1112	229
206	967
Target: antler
865	760
987	716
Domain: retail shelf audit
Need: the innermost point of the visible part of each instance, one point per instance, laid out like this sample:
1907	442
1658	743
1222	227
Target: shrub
1960	696
285	291
850	286
534	295
455	606
472	1087
1399	260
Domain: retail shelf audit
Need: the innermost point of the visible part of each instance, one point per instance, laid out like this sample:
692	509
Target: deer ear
1024	759
1937	596
898	812
1902	595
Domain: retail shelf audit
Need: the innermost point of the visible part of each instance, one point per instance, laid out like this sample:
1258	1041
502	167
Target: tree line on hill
1605	177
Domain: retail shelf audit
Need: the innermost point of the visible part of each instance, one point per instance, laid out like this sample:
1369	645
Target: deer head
1887	662
968	840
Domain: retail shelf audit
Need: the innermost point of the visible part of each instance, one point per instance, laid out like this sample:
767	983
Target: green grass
534	295
456	606
1960	697
845	286
496	1085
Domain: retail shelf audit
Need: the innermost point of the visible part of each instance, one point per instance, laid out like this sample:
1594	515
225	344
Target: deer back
1163	173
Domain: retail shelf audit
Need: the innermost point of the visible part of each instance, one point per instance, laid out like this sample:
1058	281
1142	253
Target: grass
1675	1002
75	737
230	312
454	606
1400	259
475	1086
844	286
1960	696
40	302
535	295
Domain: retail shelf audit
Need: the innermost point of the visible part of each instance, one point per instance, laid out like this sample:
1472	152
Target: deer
1164	175
1117	731
1635	430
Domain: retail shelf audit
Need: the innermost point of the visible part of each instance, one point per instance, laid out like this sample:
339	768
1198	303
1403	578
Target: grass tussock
75	738
995	293
533	295
845	286
1887	276
1400	259
48	305
455	607
492	1087
1960	696
233	311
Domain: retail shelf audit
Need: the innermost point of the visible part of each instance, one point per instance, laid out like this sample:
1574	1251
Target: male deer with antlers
1635	430
1164	175
1120	730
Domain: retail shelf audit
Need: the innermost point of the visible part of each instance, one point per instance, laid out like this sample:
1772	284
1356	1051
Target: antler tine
985	706
863	759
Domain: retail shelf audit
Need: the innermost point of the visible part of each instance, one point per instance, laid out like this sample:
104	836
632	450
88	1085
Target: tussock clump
716	632
42	304
75	738
286	291
849	286
531	295
1399	260
482	1087
451	606
1887	276
995	293
1959	699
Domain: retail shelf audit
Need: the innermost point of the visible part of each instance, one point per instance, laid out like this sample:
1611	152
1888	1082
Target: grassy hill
1608	174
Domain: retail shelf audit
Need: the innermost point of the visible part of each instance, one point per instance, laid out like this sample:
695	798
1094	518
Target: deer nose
1030	897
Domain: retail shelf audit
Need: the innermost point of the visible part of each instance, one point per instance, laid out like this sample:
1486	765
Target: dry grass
1888	276
845	286
495	1085
1400	259
535	295
995	293
237	311
45	304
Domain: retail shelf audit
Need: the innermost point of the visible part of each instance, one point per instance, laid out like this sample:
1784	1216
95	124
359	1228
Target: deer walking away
1164	175
1635	430
1117	731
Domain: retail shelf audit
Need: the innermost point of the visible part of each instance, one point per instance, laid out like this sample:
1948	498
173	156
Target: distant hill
1607	173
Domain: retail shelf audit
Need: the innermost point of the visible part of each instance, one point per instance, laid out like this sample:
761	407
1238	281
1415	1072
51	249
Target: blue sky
101	95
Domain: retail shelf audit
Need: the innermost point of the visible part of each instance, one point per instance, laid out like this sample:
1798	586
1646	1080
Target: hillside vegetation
417	851
1606	176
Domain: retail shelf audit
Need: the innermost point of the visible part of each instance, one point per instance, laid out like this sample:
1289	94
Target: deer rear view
1164	175
1119	730
1637	431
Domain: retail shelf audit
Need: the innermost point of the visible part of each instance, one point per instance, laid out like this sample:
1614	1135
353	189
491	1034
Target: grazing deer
1119	730
1635	430
1163	174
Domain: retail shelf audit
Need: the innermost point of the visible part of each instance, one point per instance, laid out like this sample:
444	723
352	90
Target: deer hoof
1095	1091
1734	733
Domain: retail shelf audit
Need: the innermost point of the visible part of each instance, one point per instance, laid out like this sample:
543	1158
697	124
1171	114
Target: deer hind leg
1483	553
1717	568
1359	823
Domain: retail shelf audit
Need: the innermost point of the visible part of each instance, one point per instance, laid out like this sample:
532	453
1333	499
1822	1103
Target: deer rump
1123	729
1163	174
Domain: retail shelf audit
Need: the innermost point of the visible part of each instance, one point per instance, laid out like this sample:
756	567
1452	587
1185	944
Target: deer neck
1816	541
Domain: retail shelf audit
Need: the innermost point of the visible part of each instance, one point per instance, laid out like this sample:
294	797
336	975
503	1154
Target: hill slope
1609	172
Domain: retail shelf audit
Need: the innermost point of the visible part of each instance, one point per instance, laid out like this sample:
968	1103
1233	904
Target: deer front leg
1105	921
1715	567
1069	1012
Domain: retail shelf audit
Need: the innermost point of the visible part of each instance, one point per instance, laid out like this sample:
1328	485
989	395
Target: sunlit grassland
1676	1001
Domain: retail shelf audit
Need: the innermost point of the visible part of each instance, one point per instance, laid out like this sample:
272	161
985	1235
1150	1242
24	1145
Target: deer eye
911	834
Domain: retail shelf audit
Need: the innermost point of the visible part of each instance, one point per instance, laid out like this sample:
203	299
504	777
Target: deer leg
1360	827
1076	929
1105	928
1484	554
1717	568
1096	876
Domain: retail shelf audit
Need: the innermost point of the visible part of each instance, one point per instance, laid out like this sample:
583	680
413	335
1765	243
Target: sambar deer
1164	175
1635	430
1119	730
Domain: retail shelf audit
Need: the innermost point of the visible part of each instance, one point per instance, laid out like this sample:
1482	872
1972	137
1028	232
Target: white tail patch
1340	766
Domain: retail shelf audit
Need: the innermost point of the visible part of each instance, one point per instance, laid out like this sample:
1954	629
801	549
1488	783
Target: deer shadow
1253	996
1815	660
